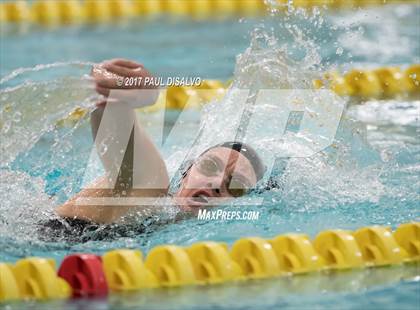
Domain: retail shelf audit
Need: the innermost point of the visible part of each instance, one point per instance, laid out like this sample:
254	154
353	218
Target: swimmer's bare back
153	181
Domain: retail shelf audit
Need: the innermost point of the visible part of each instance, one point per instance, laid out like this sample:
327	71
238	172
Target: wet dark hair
250	154
243	148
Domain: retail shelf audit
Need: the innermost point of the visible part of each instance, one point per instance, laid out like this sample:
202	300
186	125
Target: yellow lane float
296	254
408	238
339	249
36	278
8	286
125	271
15	12
171	266
256	257
378	246
212	263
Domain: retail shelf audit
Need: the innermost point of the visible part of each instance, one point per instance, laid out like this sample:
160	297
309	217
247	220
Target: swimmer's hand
121	80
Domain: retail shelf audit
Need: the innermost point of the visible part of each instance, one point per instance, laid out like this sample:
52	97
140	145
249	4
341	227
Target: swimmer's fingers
104	78
139	74
108	80
125	72
114	77
112	83
124	63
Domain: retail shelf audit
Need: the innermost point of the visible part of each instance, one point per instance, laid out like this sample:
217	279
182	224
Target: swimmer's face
218	173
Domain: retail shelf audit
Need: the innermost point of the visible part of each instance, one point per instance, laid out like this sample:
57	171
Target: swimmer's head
227	170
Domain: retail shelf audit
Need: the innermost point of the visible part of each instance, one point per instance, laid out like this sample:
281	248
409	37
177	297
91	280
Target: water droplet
339	51
67	147
17	117
103	148
6	126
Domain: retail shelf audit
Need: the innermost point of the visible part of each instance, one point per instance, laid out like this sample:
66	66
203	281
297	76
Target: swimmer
227	170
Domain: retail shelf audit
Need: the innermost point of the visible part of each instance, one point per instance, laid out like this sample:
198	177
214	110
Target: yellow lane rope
380	83
47	12
207	263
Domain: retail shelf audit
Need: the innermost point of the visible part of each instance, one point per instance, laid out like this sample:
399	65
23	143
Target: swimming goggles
234	185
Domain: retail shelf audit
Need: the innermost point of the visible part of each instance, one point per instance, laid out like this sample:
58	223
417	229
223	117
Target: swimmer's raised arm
143	176
119	124
150	174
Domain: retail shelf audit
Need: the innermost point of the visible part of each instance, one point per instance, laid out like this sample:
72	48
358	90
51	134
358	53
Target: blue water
374	179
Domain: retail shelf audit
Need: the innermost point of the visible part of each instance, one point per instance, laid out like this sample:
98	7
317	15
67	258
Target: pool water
369	177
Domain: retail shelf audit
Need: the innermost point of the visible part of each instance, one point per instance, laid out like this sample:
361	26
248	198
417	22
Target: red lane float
85	274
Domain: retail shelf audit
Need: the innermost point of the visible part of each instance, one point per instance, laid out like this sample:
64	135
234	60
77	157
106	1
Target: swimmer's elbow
94	214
